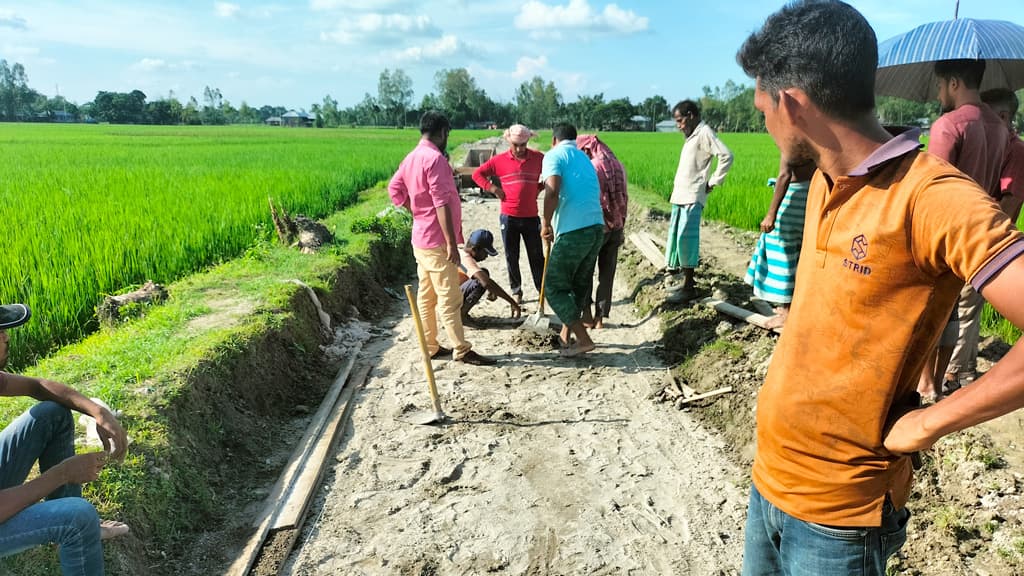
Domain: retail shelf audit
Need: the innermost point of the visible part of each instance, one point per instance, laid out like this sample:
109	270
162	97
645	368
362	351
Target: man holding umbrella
892	235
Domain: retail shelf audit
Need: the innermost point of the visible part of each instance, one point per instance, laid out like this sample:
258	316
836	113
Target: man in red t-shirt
970	136
514	177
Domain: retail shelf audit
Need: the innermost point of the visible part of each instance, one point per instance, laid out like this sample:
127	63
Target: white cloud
579	15
440	49
15	52
152	65
226	9
149	65
372	5
530	67
380	28
9	19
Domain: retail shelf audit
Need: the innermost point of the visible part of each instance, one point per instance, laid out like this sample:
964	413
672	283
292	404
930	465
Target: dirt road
549	465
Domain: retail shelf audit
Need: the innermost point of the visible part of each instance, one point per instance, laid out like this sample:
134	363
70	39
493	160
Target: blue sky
293	53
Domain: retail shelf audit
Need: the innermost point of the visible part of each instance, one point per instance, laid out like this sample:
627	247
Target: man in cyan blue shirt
574	221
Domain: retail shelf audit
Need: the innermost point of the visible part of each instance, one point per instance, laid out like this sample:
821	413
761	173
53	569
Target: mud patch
224	313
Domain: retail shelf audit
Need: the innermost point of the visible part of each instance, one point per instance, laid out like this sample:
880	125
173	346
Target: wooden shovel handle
427	366
544	275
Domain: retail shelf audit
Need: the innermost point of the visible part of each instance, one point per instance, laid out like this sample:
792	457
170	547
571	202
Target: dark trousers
512	229
607	259
472	291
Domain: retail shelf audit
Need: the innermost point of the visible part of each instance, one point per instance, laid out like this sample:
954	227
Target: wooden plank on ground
300	455
739	313
649	250
297	502
656	240
688	399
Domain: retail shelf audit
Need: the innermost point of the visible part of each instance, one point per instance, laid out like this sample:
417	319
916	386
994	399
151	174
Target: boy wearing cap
46	433
514	177
474	280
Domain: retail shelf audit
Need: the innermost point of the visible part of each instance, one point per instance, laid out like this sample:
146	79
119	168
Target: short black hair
968	71
825	48
1001	98
687	108
564	131
433	122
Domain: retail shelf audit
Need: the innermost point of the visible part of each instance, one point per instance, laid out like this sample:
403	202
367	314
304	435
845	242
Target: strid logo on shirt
859	251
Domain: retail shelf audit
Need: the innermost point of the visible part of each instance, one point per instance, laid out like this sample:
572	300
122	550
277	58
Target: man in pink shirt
514	177
424	185
970	136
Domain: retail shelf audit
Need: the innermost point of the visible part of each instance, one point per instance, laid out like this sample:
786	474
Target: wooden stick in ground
740	313
428	367
696	397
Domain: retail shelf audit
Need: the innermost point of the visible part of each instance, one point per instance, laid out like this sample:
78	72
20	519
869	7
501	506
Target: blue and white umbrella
905	62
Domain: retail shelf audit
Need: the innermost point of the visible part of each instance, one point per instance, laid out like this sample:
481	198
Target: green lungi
570	276
682	250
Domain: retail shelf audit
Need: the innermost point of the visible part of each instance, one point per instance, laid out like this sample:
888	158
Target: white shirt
691	183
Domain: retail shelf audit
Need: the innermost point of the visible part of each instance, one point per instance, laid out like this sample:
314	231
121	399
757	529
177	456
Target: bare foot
599	323
112	529
576	349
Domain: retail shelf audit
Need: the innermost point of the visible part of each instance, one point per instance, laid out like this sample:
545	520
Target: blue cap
483	239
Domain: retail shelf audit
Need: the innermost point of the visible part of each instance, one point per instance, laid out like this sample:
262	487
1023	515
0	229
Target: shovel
424	417
538	321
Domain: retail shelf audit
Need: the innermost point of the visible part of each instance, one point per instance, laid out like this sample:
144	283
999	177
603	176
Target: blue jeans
512	229
777	543
46	433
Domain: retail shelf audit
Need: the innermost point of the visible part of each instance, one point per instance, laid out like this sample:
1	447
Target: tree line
538	104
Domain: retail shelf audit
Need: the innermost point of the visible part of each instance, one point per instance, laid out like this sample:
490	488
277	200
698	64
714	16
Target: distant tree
616	114
211	112
394	94
247	114
60	104
329	108
120	107
190	112
163	112
656	108
367	112
538	102
15	95
459	96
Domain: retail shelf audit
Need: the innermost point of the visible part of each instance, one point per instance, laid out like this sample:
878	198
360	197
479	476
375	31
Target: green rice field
96	209
93	210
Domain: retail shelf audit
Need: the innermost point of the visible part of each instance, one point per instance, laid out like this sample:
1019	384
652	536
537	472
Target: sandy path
550	466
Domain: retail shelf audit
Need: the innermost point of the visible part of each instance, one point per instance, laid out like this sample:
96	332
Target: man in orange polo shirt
891	236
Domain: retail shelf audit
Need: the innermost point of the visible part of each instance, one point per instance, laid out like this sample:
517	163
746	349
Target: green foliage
393	226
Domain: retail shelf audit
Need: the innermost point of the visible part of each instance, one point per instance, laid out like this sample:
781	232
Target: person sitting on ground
611	175
475	281
46	433
772	269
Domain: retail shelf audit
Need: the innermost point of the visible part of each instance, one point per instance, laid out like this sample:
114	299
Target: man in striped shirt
514	177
